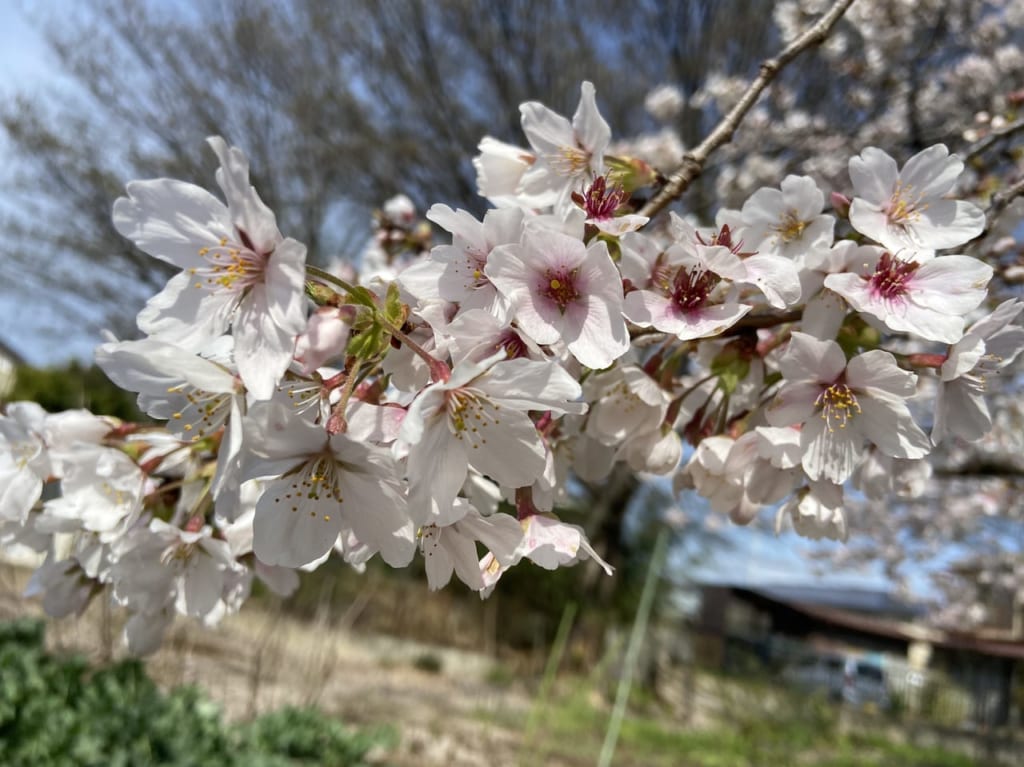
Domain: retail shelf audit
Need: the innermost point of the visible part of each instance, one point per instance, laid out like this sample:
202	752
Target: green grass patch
769	728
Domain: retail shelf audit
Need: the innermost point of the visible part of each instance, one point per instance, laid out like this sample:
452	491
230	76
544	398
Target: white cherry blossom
479	418
569	155
237	269
843	405
988	348
451	546
787	221
319	485
906	208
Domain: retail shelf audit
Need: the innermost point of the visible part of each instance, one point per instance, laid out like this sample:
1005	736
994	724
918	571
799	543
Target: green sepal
321	295
395	312
730	367
363	297
370	342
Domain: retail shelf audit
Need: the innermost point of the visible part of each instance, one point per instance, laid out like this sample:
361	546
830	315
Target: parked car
856	681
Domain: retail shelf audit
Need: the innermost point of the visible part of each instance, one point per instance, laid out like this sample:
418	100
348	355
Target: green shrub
58	712
308	736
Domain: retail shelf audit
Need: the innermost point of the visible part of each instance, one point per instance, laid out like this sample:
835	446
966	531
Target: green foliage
307	736
429	662
57	712
74	386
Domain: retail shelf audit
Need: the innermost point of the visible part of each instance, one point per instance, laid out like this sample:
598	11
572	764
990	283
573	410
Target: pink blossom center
724	238
512	344
600	201
691	288
559	287
892	276
232	266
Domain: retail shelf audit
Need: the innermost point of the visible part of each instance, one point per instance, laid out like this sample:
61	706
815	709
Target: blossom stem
925	360
323	276
525	507
439	371
337	423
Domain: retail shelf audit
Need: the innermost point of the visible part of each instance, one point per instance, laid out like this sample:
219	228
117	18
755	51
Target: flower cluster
435	406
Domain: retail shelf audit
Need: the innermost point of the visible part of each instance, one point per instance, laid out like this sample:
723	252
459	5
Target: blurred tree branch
693	162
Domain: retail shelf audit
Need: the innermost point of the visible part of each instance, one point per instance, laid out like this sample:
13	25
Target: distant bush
74	386
58	712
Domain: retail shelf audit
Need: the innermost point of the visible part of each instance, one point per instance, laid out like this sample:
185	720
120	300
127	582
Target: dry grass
445	712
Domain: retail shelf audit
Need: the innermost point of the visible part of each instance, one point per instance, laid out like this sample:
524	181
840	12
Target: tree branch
982	145
693	162
999	203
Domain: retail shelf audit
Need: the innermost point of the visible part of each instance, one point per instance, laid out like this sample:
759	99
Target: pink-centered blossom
562	290
926	297
601	202
688	296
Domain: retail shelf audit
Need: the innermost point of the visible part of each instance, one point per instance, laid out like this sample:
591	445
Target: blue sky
25	65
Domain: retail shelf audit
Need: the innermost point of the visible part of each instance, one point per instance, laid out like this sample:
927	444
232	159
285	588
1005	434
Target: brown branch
693	162
982	145
998	204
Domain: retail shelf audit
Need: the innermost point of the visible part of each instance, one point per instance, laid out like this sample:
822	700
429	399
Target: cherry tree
434	403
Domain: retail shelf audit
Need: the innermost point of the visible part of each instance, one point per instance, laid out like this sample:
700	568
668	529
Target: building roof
843	612
861	600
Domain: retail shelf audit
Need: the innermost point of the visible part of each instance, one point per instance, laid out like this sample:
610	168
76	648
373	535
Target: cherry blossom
547	342
989	346
905	208
788	222
841	405
479	418
561	290
315	487
927	297
568	155
237	269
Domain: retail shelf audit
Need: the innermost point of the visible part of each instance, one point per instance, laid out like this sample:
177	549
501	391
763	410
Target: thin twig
693	162
982	145
999	203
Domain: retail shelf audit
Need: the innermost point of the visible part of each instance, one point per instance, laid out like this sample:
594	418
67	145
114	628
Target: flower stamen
838	406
